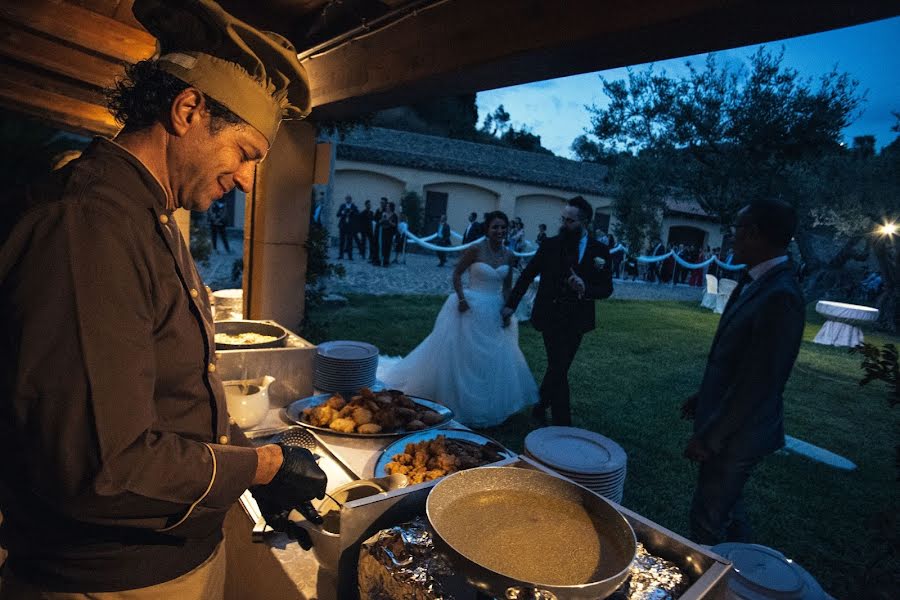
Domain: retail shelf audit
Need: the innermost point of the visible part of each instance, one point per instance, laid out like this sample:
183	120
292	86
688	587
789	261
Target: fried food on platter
371	412
343	425
428	460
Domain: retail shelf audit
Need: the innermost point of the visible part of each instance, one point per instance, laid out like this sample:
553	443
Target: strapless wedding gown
470	362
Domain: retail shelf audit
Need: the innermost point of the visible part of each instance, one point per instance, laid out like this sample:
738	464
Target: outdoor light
888	229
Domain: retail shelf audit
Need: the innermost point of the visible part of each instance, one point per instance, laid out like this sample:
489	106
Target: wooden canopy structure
363	55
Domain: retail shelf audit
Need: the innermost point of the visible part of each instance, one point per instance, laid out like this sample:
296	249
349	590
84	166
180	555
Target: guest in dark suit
575	271
347	220
738	412
443	239
388	227
364	235
474	229
376	254
542	234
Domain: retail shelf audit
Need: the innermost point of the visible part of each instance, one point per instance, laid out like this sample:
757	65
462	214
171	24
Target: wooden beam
81	28
56	57
58	109
469	45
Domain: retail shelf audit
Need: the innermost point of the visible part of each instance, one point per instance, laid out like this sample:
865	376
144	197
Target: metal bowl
517	548
260	327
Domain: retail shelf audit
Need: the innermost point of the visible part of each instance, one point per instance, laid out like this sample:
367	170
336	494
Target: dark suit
364	232
559	314
443	239
347	220
473	233
739	410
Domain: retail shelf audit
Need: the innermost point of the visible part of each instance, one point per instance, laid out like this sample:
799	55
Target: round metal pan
237	327
398	446
294	413
517	547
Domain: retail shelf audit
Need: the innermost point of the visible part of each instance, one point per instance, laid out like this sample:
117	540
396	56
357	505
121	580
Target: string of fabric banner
424	242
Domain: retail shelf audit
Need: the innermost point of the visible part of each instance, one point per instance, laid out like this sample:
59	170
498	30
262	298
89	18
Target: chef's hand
277	517
697	451
300	478
506	314
576	283
689	408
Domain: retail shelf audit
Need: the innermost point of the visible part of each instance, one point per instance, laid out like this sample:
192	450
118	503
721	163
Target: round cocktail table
842	326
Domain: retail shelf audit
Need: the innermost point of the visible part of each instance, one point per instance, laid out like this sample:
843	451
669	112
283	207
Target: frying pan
519	533
238	327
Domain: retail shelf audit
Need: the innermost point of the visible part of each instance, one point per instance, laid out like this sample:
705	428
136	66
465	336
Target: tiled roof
687	207
447	155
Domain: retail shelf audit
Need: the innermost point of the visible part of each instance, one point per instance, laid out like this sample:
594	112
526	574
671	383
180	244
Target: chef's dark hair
145	94
776	220
585	212
491	216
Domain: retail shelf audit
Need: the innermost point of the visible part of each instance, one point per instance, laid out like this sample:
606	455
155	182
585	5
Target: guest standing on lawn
739	411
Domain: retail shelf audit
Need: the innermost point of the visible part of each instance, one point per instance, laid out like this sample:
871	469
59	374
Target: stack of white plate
344	366
585	457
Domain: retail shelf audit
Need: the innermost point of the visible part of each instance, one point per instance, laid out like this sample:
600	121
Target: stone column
277	225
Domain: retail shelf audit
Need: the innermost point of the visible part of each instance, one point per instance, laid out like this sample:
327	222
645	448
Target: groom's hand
506	314
576	283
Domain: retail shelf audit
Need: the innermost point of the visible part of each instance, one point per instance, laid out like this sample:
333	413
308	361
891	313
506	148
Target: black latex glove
299	477
298	481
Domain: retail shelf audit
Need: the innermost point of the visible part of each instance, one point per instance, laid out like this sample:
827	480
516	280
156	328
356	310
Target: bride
471	361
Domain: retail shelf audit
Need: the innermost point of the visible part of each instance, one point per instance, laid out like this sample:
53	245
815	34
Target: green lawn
628	382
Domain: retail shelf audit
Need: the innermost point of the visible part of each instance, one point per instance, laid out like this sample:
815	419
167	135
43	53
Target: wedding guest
442	239
216	218
473	229
377	219
364	235
653	271
388	228
738	411
347	219
542	234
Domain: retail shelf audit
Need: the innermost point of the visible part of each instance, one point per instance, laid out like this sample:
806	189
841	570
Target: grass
628	382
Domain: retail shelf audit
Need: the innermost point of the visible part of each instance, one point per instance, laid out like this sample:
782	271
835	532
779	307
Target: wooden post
277	225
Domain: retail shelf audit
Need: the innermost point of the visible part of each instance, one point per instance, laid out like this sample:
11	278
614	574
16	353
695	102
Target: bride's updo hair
494	215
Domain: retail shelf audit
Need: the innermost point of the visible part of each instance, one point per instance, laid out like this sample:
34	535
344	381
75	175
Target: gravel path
422	276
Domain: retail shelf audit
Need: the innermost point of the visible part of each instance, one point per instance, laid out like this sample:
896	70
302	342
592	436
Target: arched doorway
687	235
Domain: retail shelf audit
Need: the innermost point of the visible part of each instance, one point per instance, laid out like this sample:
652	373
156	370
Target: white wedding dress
470	362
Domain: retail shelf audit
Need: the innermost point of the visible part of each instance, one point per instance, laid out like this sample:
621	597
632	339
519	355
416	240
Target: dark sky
554	109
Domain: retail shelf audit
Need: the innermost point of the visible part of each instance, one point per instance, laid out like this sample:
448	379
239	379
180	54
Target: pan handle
528	593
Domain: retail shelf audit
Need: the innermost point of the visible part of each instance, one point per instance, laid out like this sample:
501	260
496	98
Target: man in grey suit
739	411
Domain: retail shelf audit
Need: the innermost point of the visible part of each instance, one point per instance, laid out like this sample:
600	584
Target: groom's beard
570	238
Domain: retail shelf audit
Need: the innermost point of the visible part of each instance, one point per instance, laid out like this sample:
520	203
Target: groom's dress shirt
761	269
582	245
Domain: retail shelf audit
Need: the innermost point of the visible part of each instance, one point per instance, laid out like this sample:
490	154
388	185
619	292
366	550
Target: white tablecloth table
842	326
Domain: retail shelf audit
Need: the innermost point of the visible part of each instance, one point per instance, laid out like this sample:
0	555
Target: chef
119	460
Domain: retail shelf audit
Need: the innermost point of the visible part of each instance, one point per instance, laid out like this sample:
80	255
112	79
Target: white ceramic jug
248	400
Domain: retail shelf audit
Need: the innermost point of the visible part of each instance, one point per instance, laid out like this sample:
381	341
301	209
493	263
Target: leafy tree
496	123
726	137
736	131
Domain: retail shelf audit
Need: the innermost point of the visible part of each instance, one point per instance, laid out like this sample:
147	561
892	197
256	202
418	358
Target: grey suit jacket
740	408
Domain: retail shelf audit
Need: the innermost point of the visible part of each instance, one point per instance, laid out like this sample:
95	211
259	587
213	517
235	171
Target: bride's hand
463	305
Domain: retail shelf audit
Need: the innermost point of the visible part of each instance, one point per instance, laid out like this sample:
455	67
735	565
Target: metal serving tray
362	518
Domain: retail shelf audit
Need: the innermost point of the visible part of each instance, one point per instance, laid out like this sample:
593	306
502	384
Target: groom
575	271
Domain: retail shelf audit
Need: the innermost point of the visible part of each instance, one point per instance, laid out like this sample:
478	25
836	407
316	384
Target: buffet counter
277	567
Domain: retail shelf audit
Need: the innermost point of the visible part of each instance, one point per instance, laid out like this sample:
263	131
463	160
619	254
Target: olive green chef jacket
118	461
